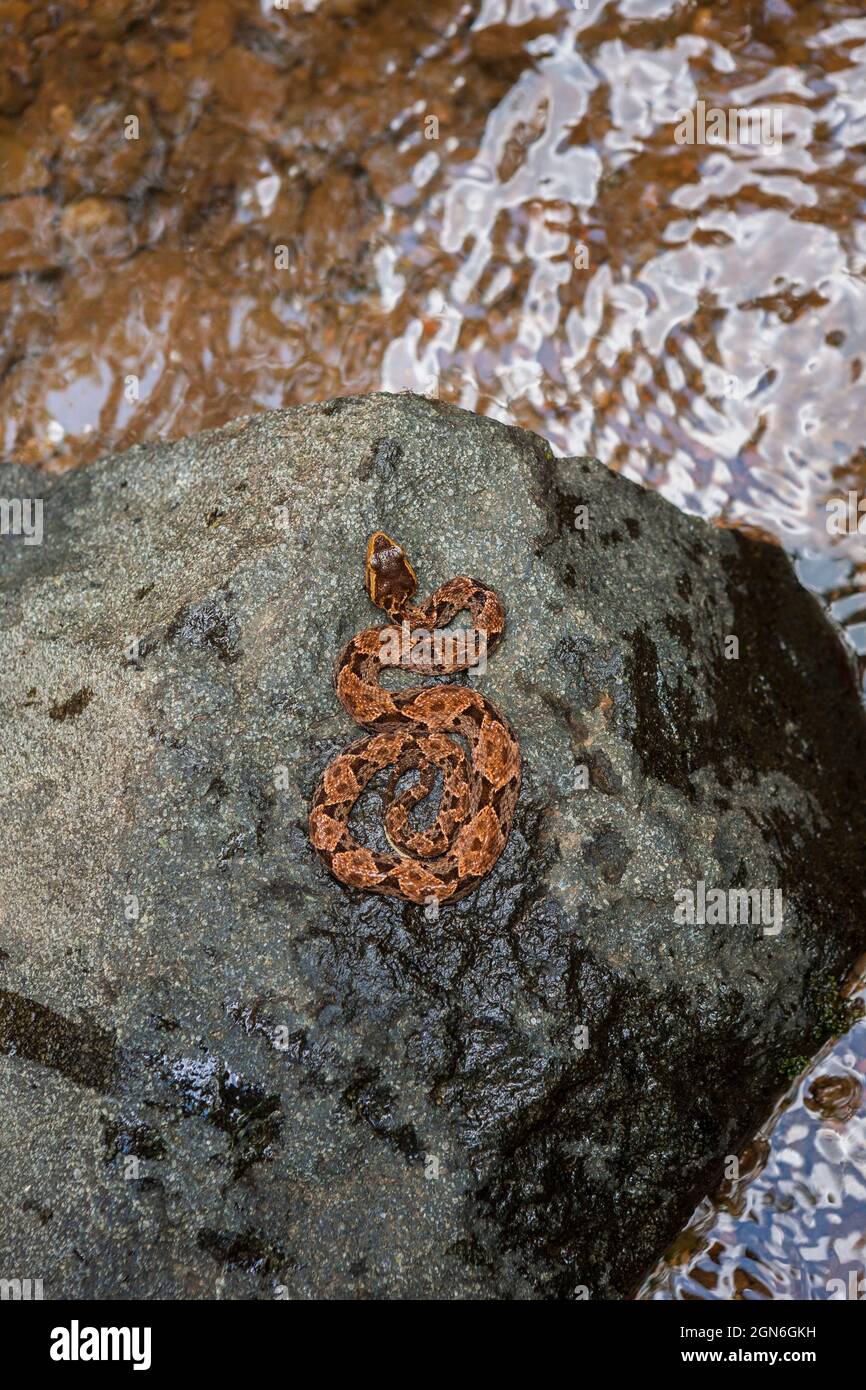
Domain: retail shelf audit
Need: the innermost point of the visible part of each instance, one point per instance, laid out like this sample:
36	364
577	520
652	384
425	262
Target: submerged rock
222	1072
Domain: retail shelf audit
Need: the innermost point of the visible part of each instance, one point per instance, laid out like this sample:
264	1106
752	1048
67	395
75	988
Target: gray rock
263	1083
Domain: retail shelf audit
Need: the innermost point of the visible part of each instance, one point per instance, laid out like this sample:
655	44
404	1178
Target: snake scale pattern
447	731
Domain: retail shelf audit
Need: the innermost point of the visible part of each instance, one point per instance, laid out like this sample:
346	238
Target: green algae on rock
520	1096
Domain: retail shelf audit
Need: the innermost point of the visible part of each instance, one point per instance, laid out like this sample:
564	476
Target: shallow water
793	1225
486	202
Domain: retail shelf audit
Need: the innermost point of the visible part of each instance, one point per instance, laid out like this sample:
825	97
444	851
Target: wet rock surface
222	1074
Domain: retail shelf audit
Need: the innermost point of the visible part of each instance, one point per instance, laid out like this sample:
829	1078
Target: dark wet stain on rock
161	1024
376	1105
131	1139
595	671
770	704
561	509
380	461
608	851
286	890
79	1050
250	837
208	626
538	1190
217	789
797	675
608	538
241	1109
666	731
602	774
257	1020
71	708
248	1250
679	626
39	1210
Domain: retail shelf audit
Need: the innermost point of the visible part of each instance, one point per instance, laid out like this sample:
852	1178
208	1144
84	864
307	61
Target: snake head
388	577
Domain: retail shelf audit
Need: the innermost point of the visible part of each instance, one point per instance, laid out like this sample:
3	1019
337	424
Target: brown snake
418	730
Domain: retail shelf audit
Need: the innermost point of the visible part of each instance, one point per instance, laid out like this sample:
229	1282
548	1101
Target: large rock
266	1083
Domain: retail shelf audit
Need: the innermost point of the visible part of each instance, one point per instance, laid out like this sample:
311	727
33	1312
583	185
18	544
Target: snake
446	735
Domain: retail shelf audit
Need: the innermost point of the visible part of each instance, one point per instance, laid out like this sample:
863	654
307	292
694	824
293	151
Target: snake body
446	730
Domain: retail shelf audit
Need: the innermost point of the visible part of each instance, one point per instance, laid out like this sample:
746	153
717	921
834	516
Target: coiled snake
418	730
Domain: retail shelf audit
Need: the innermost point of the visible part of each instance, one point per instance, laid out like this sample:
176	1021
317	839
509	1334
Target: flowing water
215	208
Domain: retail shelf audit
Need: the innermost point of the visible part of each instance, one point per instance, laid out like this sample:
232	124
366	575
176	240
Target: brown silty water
218	208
